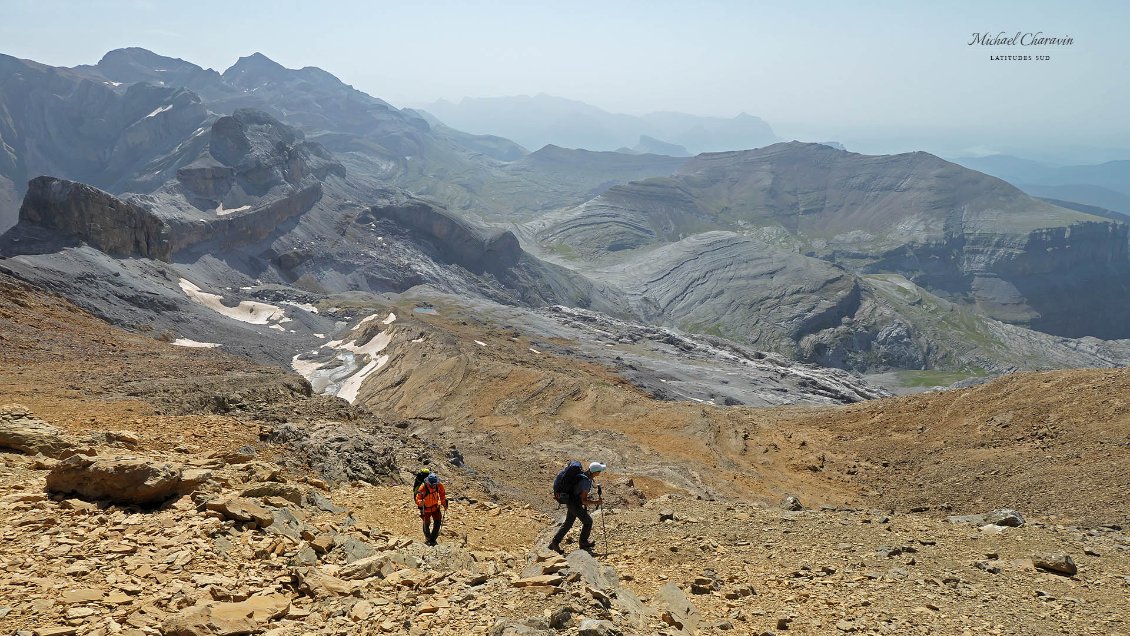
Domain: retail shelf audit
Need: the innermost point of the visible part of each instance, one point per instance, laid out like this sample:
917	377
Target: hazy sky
880	76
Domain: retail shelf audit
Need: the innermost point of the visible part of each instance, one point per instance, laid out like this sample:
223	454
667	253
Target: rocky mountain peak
137	58
255	69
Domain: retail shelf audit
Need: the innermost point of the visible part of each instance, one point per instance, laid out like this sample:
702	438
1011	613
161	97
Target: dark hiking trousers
576	511
436	517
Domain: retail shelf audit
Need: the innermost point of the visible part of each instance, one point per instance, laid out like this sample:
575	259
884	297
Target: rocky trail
240	503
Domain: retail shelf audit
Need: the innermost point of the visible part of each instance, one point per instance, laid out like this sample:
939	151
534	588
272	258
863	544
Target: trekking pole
603	527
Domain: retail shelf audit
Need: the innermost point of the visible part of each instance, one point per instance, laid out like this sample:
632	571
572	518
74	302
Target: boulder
791	503
593	627
355	549
240	509
120	479
1005	517
215	618
380	565
21	431
1056	564
676	609
293	494
321	584
592	572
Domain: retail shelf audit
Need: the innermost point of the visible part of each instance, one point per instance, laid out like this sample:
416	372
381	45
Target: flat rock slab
21	431
241	509
244	617
123	479
540	580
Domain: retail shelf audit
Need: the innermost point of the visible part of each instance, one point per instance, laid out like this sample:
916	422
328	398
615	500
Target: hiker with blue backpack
573	487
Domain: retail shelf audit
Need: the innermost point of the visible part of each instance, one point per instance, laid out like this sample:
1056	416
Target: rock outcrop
453	239
122	479
21	431
116	227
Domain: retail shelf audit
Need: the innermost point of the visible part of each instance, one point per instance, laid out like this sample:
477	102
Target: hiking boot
588	546
556	548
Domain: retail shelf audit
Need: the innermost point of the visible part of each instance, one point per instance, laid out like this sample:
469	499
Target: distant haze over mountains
544	119
267	184
1106	185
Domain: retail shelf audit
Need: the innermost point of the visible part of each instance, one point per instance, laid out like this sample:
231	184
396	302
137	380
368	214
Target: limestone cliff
106	222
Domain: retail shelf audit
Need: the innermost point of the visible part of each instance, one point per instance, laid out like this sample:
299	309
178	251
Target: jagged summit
253	70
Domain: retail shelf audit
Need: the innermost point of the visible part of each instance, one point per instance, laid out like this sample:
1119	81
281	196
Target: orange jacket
430	498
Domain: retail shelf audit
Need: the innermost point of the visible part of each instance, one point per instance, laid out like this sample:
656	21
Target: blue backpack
565	484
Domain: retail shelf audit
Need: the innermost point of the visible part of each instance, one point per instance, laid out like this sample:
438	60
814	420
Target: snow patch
387	321
304	307
159	111
480	343
185	342
220	211
349	369
251	312
349	388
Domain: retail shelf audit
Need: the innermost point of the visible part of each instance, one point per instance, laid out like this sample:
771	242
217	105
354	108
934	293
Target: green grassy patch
563	250
931	378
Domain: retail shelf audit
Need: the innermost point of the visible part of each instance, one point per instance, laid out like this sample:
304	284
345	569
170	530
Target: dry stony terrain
269	535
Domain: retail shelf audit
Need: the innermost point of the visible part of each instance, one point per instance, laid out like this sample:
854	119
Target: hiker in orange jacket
429	498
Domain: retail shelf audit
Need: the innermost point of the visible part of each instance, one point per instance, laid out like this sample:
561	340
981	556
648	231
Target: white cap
596	467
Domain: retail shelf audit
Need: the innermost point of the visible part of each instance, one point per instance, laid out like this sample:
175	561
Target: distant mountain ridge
956	233
152	108
289	185
1105	185
543	119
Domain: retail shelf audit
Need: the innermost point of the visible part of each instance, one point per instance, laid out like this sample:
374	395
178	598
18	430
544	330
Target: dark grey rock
340	451
562	617
1005	517
593	627
988	567
791	502
306	556
593	572
354	549
322	502
286	524
676	609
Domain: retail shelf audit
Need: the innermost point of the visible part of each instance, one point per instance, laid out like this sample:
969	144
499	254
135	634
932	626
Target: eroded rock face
122	479
21	431
454	238
114	226
263	153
